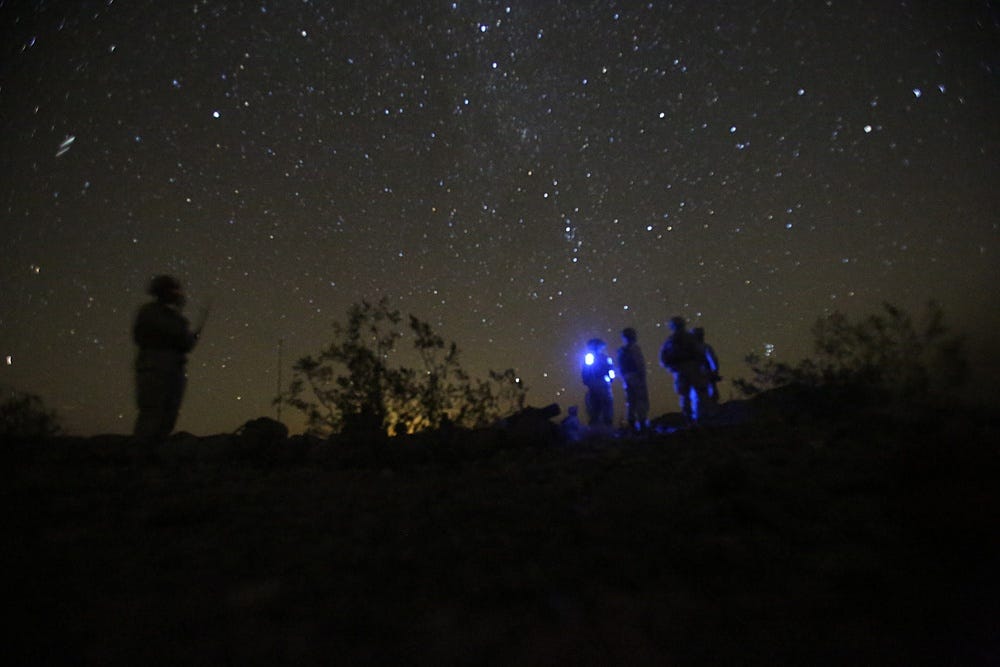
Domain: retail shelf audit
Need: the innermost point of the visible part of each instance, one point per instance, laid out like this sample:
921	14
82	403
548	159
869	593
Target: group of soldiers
690	360
164	338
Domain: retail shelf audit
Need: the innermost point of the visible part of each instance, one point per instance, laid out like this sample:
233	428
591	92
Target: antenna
281	344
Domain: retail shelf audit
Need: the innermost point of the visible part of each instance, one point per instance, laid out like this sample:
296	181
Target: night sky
523	175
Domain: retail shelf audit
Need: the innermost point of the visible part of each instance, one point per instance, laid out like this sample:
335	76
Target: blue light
611	375
589	359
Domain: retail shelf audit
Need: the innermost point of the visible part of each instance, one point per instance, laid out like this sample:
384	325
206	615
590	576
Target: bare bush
351	385
24	415
887	355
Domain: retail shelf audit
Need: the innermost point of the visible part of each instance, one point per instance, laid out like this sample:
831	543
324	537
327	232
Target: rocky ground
869	540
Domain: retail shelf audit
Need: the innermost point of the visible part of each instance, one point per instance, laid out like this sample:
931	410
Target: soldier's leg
150	393
683	388
172	402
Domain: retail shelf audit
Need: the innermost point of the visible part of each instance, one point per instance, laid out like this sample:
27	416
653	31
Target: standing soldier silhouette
684	357
597	373
711	367
164	338
632	365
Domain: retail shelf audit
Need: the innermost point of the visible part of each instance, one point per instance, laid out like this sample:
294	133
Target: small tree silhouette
886	356
24	415
352	387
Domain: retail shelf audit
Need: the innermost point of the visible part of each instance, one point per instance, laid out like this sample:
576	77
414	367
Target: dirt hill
870	539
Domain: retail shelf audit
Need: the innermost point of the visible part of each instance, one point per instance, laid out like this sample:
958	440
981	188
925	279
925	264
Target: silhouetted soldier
632	365
711	365
164	339
683	356
597	373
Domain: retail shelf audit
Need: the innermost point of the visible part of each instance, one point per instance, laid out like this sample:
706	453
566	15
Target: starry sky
522	175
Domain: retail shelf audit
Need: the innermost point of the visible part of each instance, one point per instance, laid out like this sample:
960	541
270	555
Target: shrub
885	356
350	386
24	415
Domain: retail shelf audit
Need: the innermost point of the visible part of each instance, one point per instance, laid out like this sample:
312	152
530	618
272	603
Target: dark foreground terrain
869	540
